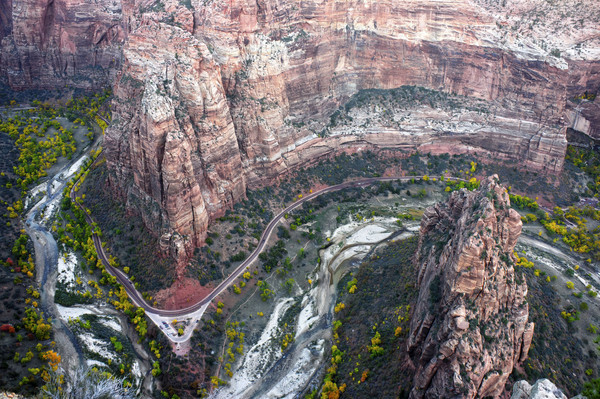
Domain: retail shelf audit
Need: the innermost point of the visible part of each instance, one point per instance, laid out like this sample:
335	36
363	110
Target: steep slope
172	133
469	328
50	44
252	87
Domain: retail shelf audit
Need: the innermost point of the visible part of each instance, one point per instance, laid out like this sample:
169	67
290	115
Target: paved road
137	298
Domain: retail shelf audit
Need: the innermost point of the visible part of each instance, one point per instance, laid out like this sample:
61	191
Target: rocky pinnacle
470	325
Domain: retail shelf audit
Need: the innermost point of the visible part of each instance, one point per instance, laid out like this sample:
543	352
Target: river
267	372
38	221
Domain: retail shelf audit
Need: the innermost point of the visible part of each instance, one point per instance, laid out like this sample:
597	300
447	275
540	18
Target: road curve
139	301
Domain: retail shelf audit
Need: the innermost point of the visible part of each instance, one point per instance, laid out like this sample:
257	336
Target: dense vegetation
588	161
576	226
559	350
371	327
40	140
127	237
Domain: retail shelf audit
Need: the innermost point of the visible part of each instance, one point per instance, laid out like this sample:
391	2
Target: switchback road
137	298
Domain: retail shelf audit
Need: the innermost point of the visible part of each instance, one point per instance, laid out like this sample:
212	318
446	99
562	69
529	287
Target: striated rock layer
50	44
470	325
212	97
172	134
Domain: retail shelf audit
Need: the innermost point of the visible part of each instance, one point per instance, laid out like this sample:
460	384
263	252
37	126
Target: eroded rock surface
51	44
542	389
214	97
470	325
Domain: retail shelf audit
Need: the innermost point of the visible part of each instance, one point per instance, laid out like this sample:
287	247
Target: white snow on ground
135	370
299	375
72	312
97	346
307	315
348	254
369	233
66	268
33	192
54	186
92	363
50	208
258	358
375	230
344	230
110	322
315	304
75	167
37	189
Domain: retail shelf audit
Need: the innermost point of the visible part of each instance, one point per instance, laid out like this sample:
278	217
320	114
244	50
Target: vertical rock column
470	325
171	148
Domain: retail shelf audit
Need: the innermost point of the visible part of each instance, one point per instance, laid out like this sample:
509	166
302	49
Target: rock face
49	44
212	97
173	134
542	389
469	327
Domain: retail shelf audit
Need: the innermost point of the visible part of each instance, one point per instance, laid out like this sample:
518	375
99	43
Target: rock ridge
212	98
470	325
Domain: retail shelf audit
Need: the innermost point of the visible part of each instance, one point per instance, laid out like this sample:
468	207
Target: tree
86	383
118	346
289	285
53	359
591	389
156	369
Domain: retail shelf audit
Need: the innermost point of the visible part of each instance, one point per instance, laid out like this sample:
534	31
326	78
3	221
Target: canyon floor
274	332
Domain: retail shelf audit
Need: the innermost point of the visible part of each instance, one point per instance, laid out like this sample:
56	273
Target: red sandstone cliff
274	72
213	96
50	44
470	326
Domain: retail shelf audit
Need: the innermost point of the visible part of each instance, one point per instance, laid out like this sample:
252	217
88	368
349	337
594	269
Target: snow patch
370	233
95	363
55	185
110	323
72	312
303	369
66	269
75	167
97	346
307	315
33	192
50	208
135	370
259	357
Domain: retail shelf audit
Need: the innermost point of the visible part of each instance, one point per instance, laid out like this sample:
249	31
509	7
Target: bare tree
86	383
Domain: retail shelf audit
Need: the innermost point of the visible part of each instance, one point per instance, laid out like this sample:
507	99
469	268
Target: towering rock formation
173	134
50	44
214	96
470	326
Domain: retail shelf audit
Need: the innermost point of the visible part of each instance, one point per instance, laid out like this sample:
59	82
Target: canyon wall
214	97
469	327
271	75
51	44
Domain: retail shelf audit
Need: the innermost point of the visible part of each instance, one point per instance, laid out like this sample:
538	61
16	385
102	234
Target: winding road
139	301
